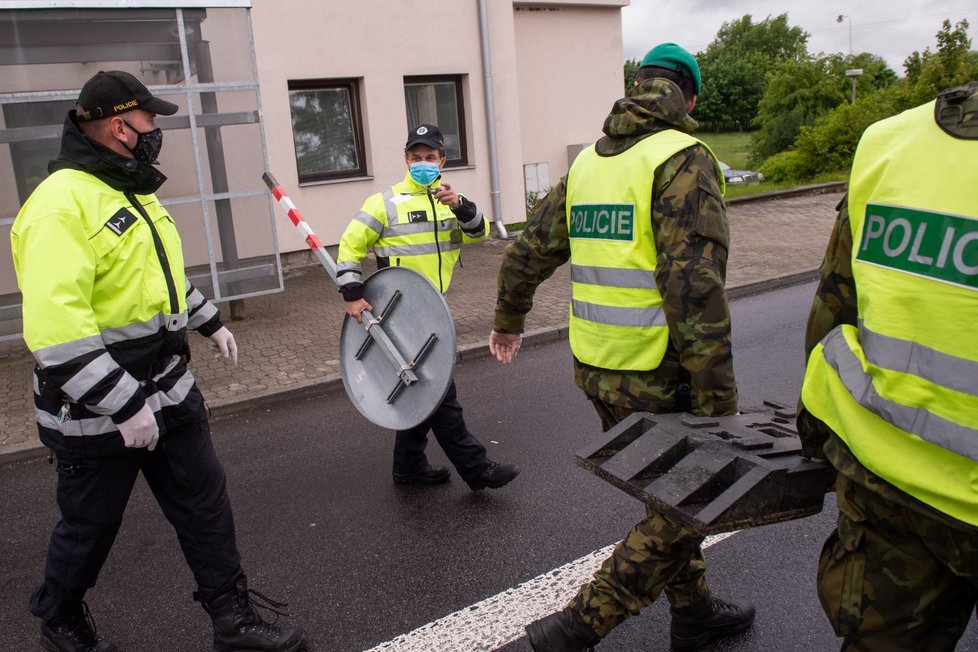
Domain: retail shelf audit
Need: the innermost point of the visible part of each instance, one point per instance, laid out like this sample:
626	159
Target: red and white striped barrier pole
370	323
300	223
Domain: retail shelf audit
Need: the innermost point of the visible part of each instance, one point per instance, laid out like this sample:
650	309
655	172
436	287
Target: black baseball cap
114	92
425	134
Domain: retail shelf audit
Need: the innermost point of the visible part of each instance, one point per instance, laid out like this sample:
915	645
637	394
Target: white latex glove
140	430
504	346
224	344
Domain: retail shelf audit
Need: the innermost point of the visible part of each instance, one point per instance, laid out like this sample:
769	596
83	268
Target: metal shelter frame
130	30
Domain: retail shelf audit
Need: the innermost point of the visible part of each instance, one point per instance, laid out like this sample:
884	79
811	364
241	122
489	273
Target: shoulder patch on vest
121	221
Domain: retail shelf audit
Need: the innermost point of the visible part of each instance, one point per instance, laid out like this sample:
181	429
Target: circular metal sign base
414	316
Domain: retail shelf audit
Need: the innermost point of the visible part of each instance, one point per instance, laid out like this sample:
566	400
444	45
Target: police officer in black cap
106	308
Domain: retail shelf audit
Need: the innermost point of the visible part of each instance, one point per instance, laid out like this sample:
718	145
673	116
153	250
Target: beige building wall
541	104
570	73
555	69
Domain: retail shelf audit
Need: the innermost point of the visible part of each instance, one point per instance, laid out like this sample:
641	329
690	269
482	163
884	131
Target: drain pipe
497	209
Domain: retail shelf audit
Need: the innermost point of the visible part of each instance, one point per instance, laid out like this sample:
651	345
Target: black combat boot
239	628
563	631
709	619
494	476
427	475
73	631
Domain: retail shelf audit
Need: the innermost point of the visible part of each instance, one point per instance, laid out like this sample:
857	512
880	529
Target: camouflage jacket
691	233
835	304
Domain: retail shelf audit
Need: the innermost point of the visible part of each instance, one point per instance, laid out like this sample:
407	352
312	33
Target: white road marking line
497	621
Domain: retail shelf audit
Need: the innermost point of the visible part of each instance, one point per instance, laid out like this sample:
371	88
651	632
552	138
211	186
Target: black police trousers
187	481
464	451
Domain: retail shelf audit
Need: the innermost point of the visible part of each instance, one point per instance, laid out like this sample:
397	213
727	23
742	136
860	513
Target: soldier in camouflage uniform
695	374
900	572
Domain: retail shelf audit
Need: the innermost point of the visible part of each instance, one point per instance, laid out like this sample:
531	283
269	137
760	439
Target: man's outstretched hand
504	346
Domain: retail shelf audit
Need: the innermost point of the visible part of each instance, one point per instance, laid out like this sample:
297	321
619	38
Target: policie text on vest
602	221
935	245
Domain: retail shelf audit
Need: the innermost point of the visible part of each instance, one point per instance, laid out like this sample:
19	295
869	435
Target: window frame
352	86
457	80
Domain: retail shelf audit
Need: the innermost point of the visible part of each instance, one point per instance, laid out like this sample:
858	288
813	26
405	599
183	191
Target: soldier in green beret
640	215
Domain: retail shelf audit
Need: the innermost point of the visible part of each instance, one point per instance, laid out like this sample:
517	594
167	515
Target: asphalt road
363	562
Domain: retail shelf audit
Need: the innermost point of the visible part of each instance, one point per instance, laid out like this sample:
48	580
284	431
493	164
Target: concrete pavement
288	342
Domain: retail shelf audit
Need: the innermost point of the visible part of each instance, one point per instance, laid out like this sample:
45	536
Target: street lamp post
852	72
839	20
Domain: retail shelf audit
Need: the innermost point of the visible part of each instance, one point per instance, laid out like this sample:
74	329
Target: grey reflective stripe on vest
349	272
200	311
201	316
418	227
143	329
104	425
926	425
62	353
389	206
118	397
616	316
350	266
95	372
372	222
912	358
474	227
416	249
613	277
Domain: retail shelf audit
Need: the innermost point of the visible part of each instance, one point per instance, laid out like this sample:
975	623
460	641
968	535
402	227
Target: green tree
799	91
828	145
732	86
631	67
772	37
736	64
953	64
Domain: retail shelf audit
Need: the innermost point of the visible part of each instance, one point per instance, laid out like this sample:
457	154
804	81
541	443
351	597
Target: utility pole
852	73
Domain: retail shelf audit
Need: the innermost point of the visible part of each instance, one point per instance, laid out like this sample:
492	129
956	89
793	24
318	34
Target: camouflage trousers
892	579
658	554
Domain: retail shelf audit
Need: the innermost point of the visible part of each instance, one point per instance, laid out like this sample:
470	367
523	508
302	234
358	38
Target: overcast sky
891	29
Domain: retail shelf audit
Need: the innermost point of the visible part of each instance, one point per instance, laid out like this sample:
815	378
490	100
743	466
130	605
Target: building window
327	129
437	100
30	156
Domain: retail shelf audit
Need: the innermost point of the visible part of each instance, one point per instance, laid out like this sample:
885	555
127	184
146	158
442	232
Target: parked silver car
734	177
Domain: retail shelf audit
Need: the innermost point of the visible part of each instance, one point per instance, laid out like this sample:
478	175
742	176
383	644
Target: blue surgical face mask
425	173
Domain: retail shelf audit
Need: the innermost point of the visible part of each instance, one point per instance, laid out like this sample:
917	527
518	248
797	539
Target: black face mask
148	145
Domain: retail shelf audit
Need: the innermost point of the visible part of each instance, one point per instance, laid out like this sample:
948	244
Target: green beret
673	57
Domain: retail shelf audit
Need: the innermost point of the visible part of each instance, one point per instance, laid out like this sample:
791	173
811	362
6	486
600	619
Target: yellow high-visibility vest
616	317
901	387
90	265
408	227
